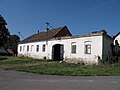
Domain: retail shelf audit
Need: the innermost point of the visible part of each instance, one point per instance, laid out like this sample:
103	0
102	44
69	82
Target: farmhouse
59	44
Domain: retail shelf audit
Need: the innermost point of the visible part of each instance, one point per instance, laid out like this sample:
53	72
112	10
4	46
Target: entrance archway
57	52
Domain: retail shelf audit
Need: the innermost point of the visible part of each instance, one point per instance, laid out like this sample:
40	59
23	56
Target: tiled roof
46	35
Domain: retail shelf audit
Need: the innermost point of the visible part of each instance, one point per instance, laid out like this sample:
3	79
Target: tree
4	33
12	43
9	42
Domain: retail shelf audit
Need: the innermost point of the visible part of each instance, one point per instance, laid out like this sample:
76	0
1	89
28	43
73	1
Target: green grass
55	68
19	60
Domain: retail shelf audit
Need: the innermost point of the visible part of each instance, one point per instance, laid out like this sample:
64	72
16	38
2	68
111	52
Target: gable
117	38
63	32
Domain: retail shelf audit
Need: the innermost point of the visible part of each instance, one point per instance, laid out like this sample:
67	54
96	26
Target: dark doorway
57	52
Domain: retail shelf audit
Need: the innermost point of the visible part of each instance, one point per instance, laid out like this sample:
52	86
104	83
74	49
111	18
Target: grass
55	68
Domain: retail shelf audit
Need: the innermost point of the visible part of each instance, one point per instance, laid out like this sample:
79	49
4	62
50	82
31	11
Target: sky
80	16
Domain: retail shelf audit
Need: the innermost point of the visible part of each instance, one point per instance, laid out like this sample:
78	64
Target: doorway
57	52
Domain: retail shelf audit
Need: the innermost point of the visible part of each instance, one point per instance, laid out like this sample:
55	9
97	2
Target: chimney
46	29
103	31
38	31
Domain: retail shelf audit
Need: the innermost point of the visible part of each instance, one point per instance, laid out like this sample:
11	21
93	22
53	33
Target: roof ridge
52	29
44	35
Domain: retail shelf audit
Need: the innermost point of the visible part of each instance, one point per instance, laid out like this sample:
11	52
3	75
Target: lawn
47	67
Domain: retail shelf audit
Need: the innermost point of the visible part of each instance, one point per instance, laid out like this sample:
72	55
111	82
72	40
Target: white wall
32	50
117	47
96	49
117	38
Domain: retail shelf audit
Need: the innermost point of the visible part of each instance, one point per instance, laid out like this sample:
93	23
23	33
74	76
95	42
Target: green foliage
57	68
4	33
7	40
20	60
12	43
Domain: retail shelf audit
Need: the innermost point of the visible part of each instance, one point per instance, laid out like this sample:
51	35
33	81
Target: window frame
23	48
32	48
37	48
20	48
27	47
73	48
87	48
43	48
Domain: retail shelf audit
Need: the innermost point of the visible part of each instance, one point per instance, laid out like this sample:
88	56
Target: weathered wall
107	47
80	55
32	50
96	49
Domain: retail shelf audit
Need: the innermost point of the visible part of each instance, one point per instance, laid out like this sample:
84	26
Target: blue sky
80	16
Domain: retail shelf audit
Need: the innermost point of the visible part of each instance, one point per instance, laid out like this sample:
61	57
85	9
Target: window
31	48
37	48
23	48
116	43
27	48
43	48
20	48
88	49
73	48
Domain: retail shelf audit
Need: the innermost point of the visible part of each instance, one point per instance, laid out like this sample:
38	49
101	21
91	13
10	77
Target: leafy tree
6	40
12	43
4	33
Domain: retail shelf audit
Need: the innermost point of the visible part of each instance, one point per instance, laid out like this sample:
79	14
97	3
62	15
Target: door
57	52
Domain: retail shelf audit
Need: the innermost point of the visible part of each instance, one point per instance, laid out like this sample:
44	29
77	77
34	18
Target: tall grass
56	68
